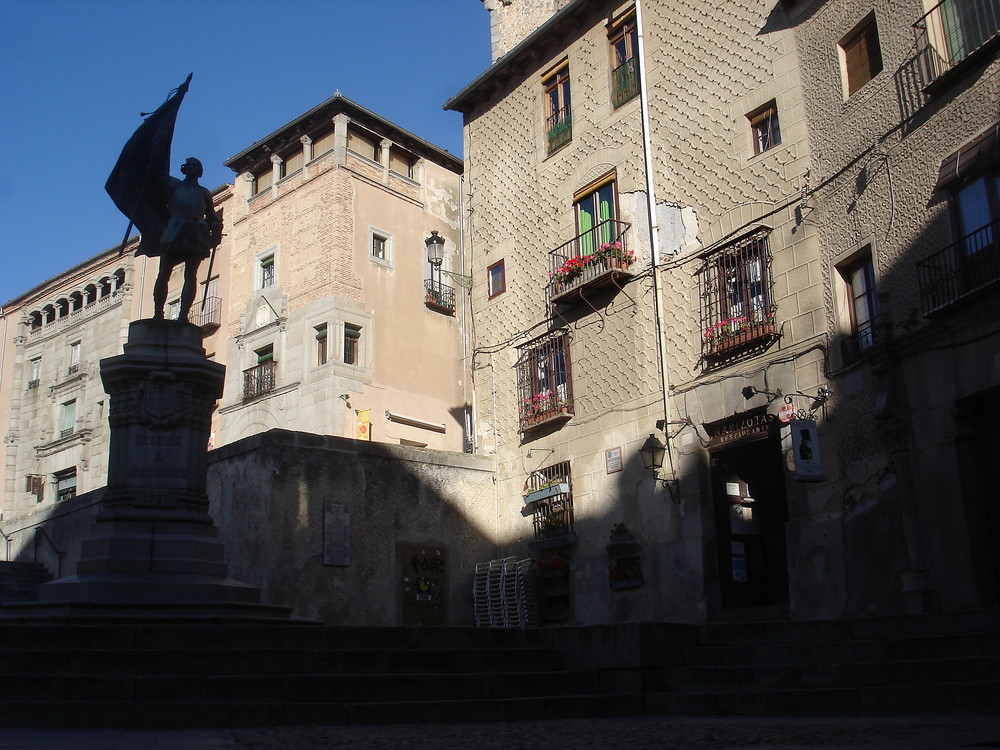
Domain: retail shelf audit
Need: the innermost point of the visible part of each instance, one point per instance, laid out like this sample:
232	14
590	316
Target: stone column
154	550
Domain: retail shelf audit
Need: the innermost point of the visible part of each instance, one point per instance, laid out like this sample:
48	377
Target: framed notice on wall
613	460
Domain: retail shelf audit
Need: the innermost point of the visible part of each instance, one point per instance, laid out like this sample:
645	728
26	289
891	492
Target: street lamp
435	248
652	453
435	256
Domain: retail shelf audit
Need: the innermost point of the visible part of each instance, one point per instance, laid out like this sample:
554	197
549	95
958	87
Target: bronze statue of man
176	218
193	229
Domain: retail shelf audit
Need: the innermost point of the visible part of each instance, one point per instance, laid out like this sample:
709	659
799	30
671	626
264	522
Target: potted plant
614	255
546	489
620	533
625	573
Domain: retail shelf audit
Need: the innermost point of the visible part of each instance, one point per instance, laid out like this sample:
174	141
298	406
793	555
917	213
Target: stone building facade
337	323
54	406
776	175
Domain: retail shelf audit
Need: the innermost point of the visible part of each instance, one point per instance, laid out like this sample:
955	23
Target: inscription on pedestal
158	458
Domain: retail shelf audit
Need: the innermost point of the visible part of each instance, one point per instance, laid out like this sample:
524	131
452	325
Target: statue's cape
140	181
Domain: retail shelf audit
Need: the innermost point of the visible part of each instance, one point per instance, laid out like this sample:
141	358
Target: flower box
737	341
557	489
565	540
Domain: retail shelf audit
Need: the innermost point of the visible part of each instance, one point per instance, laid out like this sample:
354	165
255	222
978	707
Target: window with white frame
266	271
381	246
67	419
34	372
74	358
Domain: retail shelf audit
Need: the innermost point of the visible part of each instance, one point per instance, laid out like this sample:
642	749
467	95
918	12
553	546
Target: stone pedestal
154	550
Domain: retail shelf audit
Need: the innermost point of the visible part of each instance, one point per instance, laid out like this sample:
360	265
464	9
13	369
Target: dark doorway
978	446
750	514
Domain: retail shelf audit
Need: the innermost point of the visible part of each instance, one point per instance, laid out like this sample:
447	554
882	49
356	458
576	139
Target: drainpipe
654	229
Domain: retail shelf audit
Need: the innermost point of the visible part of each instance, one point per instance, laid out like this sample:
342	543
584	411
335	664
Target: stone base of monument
154	550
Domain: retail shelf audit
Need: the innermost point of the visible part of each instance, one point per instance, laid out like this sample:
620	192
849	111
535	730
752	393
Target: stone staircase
19	581
938	664
189	675
150	674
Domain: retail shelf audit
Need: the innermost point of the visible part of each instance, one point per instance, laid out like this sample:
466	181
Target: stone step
323	688
819	674
765	631
938	698
19	581
952	645
207	635
234	661
190	714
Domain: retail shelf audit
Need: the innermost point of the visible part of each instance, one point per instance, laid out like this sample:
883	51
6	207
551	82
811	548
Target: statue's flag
141	174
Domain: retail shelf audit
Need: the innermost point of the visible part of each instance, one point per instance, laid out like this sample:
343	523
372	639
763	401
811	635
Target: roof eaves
462	101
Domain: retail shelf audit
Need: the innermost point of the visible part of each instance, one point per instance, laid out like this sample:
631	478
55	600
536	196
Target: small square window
352	344
861	54
381	246
764	128
497	278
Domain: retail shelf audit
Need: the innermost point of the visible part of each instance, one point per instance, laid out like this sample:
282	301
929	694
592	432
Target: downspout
467	377
654	229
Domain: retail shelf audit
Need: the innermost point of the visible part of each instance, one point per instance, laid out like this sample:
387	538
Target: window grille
552	516
544	387
738	313
259	380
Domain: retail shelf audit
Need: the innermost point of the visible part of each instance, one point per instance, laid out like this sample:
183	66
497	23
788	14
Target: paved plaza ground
636	733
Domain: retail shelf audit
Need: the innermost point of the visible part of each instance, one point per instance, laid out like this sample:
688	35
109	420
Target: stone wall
322	523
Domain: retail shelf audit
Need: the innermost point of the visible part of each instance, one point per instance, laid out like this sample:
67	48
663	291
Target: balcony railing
596	258
625	82
259	380
33	383
559	129
439	296
960	269
553	522
210	316
862	339
951	31
73	369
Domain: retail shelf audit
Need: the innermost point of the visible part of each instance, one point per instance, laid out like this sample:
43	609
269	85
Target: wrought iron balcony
210	316
625	82
553	522
862	339
952	31
438	296
596	258
559	129
259	380
960	269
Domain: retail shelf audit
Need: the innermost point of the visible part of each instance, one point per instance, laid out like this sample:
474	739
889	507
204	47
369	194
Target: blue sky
75	74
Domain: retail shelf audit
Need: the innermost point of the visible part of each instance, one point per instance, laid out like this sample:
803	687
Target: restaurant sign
739	429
